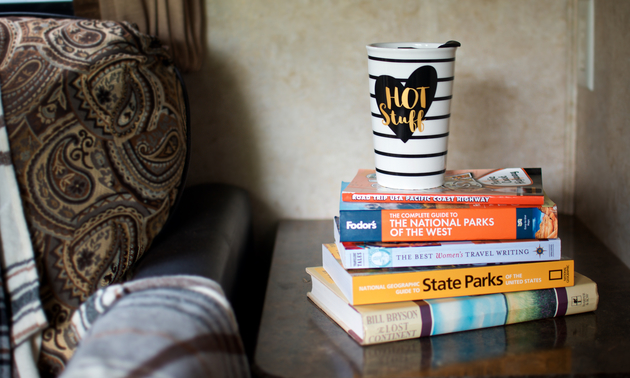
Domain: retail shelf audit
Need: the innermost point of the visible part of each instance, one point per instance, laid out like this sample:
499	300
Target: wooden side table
296	339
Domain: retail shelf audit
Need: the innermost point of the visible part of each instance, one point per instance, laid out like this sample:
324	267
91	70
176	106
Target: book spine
453	253
435	317
450	199
475	223
393	323
411	284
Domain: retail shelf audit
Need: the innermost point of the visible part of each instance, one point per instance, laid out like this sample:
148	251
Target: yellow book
368	286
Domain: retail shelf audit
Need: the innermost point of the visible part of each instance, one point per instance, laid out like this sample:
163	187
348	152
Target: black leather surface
209	235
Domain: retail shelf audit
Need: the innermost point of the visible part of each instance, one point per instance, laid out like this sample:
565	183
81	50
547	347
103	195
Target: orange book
414	222
369	286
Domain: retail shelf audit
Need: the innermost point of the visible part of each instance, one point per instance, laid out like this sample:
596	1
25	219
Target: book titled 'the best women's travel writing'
385	322
409	222
363	255
369	286
506	186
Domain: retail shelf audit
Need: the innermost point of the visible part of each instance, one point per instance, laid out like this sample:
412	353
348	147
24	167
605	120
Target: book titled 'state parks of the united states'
380	323
408	222
506	186
369	286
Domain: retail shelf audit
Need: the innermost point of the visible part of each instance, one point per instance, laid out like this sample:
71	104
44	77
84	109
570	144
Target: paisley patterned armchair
97	122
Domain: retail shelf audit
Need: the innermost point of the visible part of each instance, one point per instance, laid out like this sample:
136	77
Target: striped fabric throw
21	315
171	326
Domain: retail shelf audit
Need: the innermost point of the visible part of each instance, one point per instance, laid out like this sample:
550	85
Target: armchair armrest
208	235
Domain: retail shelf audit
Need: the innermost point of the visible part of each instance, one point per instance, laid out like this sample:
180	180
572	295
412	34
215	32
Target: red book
506	186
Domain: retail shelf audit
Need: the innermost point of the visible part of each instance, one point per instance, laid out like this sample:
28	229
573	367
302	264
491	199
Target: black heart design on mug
404	107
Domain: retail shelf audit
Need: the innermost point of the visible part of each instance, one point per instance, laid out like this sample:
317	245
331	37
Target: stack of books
480	251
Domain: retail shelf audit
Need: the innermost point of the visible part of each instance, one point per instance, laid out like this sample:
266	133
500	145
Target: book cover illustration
368	286
503	351
410	222
362	255
508	186
379	323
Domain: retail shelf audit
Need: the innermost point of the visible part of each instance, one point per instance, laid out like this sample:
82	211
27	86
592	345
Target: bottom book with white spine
385	322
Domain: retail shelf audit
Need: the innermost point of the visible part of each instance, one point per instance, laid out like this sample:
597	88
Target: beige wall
603	139
281	105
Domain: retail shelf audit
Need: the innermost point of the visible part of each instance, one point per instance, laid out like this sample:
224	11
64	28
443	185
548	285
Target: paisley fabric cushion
97	126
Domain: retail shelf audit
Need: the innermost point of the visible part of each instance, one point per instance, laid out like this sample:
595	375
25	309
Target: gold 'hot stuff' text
408	101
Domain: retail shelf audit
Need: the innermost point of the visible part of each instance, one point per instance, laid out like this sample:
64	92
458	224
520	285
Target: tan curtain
179	24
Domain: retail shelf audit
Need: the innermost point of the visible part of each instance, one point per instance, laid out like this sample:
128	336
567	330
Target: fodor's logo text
404	107
361	225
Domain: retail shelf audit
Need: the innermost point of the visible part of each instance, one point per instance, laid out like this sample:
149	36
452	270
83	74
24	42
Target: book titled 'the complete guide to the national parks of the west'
405	222
362	255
